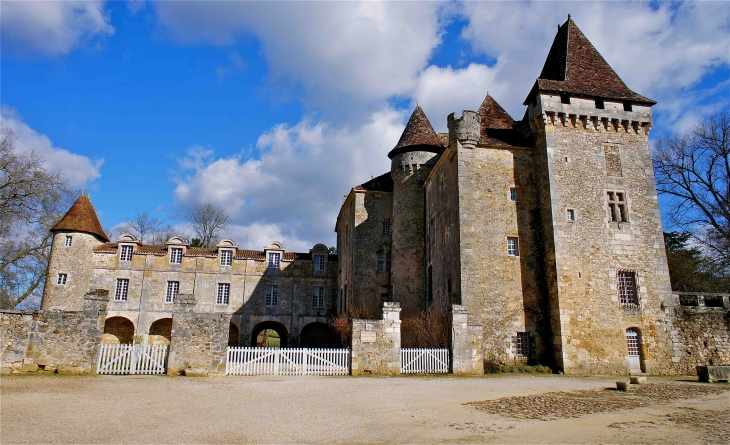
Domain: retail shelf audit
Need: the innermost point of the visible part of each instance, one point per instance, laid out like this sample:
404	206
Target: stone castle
541	236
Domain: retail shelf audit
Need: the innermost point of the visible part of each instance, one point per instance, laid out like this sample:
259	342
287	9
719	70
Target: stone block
72	370
29	367
637	380
713	373
196	372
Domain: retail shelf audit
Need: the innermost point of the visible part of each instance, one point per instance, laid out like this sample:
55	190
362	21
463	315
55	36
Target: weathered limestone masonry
199	339
467	356
701	332
376	343
65	341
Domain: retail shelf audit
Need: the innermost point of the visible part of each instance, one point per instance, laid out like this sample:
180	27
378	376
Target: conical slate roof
492	115
81	217
498	128
418	135
574	65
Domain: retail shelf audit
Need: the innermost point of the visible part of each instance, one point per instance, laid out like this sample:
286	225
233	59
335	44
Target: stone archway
316	335
233	335
121	328
277	327
160	331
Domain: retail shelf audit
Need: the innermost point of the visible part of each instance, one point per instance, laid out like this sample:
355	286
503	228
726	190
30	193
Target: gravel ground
157	409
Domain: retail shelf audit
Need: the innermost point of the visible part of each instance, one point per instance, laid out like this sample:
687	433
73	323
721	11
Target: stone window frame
513	246
318	297
172	291
125	252
61	279
223	294
176	254
617	203
571	215
512	194
628	297
68	241
383	259
387	230
121	291
273	260
272	295
320	262
226	257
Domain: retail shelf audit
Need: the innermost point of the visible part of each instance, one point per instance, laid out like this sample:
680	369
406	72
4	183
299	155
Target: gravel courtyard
490	409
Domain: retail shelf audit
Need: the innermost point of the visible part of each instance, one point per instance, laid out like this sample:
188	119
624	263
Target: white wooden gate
424	361
132	359
295	361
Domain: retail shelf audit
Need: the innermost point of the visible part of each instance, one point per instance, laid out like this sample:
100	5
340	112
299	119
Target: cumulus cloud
294	189
79	170
50	28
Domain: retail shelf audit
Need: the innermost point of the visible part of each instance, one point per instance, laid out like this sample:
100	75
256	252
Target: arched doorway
233	335
316	335
271	334
160	331
121	328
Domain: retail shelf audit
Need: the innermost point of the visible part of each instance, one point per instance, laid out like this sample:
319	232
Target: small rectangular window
512	247
61	279
274	260
570	215
120	294
564	98
627	288
433	231
69	240
173	288
628	106
224	291
383	261
599	103
617	210
522	345
513	194
386	227
226	257
272	295
320	262
318	297
126	253
176	255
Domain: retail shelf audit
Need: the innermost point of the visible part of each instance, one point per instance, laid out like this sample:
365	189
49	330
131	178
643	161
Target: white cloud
294	190
79	170
49	28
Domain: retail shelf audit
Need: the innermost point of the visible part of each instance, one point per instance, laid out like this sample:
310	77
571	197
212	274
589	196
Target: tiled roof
498	127
81	217
241	254
382	183
418	135
573	65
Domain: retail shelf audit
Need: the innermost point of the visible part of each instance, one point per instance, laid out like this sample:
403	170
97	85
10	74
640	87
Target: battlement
465	129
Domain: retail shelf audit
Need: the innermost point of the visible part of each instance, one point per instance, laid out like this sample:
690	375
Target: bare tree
693	172
142	225
208	221
162	234
32	200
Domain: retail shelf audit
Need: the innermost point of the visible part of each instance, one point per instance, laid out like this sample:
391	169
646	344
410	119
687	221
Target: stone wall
467	355
53	340
199	340
376	344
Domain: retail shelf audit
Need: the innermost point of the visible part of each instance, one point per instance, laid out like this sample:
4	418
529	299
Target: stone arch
273	325
160	331
316	335
121	328
233	335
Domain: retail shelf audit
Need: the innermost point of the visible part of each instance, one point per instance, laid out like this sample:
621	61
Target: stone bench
713	373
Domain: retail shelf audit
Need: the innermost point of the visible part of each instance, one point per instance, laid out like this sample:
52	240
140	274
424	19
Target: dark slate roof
573	65
418	135
240	254
81	217
498	127
382	183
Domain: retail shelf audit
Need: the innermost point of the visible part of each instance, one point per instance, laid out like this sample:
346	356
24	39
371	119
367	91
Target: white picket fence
295	361
132	359
424	361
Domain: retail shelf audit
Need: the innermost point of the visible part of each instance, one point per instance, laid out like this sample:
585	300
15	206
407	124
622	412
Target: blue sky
275	110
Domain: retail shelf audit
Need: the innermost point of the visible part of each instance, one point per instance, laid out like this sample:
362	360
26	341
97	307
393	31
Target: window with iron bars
522	345
627	288
386	227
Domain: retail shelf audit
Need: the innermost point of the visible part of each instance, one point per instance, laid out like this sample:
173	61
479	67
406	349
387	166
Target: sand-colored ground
157	409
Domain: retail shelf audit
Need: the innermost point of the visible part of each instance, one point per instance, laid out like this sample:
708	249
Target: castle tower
75	237
411	161
606	271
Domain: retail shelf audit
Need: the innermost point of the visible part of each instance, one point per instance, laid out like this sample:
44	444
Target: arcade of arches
118	330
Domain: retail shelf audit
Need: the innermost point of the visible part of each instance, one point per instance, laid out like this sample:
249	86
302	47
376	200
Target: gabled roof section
498	128
382	183
418	135
574	65
211	252
81	217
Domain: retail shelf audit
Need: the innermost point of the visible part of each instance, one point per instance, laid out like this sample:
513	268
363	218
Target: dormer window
176	254
69	240
320	262
226	257
274	260
125	253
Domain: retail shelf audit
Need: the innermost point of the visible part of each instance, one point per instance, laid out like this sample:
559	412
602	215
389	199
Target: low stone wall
376	343
701	334
53	340
199	340
467	356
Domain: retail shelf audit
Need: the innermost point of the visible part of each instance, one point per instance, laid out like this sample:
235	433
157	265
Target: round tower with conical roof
411	161
75	237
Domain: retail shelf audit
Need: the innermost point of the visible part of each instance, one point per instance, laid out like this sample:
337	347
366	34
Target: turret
411	161
75	237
